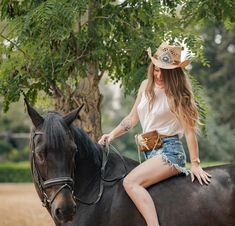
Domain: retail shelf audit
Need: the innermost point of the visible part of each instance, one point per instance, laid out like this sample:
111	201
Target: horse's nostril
67	213
59	213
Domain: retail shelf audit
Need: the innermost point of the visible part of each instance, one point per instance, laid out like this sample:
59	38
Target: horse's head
52	161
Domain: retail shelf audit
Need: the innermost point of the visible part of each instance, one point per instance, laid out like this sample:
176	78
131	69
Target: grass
16	165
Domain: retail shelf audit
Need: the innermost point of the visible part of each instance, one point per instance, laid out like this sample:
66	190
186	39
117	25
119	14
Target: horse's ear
70	117
36	118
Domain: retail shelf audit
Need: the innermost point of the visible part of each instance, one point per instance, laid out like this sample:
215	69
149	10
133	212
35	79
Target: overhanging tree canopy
64	47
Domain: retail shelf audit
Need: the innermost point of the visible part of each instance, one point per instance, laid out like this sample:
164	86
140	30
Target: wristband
197	160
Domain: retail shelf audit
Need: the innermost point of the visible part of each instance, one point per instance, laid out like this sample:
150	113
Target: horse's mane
55	130
86	147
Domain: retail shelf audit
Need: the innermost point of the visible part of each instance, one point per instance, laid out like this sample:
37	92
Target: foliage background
206	27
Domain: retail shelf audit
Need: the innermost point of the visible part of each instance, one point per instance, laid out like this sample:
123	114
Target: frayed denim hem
168	162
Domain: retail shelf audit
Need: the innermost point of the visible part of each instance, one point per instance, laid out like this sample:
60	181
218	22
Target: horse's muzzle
65	214
64	207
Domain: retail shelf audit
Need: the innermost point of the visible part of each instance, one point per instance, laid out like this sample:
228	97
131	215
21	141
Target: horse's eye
40	156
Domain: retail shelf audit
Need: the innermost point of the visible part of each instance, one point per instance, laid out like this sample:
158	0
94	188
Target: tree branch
4	28
52	83
66	86
4	37
55	88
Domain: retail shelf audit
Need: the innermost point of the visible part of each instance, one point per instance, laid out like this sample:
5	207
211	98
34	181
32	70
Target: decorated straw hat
168	57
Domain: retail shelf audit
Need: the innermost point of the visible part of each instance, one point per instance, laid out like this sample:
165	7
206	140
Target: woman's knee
129	183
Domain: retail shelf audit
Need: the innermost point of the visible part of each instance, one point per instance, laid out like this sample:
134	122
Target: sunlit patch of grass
16	165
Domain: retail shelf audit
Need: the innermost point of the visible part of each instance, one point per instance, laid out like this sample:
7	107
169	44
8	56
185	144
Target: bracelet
197	160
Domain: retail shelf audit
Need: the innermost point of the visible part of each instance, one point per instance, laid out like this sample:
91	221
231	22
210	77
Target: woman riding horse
166	109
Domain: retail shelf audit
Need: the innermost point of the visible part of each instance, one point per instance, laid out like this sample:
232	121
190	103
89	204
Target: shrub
18	155
4	147
15	172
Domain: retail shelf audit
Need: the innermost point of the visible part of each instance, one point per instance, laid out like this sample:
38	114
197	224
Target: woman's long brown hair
179	94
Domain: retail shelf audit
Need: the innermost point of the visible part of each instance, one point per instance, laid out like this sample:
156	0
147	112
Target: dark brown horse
81	186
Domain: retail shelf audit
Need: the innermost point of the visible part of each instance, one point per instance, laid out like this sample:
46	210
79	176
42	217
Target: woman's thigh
152	171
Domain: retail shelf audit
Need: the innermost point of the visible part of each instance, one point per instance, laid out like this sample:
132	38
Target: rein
105	154
68	182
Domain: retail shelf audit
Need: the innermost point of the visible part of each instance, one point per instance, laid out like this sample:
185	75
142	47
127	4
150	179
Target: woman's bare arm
129	122
196	170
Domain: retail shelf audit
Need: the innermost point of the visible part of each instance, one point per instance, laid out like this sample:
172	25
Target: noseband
65	182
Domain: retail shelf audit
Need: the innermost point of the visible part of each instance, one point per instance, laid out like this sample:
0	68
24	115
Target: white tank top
160	118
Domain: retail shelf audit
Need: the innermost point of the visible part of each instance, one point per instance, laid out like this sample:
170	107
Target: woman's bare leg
149	172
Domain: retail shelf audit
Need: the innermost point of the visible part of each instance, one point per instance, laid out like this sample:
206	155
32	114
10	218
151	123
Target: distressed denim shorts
172	152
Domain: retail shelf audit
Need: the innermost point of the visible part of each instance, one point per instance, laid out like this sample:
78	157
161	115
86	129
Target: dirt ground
20	206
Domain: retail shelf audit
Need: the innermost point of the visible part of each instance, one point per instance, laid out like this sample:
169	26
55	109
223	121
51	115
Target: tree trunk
86	93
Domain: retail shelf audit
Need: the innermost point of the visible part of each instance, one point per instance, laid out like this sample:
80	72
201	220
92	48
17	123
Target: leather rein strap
105	154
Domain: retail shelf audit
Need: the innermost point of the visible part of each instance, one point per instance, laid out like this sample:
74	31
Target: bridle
105	154
68	182
65	182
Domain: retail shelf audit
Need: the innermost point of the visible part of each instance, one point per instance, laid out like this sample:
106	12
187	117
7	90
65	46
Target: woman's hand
200	174
105	139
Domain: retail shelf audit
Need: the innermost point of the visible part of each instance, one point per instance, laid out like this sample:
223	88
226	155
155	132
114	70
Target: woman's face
157	75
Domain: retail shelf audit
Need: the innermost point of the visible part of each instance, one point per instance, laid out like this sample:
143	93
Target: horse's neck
117	165
88	174
88	161
86	169
87	178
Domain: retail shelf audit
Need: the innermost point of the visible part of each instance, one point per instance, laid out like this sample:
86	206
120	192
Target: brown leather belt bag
148	141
